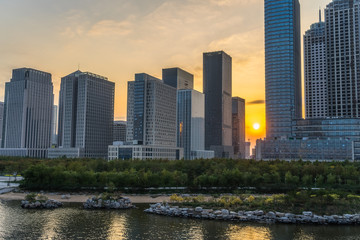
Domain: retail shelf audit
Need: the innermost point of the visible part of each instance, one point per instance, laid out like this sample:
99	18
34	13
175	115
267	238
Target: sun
256	126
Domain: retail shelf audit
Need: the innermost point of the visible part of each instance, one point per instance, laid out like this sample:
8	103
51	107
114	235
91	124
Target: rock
280	214
217	212
225	212
271	215
308	214
198	209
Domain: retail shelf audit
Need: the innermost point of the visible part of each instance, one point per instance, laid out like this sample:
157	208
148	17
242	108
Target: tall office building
190	122
238	127
315	66
27	113
217	85
178	78
1	119
342	19
130	112
151	121
282	66
86	113
152	115
54	126
119	131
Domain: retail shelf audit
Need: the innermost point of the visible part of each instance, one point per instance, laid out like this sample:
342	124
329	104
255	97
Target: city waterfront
72	222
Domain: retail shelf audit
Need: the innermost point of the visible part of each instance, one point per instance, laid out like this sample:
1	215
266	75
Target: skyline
140	37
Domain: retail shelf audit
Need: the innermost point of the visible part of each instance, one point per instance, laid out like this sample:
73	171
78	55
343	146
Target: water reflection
72	222
235	232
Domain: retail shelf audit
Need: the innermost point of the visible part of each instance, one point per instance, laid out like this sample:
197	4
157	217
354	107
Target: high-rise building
342	19
315	66
119	131
238	127
218	104
190	121
54	126
151	121
27	113
86	114
130	112
282	66
1	119
178	78
153	111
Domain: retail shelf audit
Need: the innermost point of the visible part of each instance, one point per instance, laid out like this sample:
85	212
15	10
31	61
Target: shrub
31	197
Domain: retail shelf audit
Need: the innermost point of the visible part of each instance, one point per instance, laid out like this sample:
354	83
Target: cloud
256	102
111	27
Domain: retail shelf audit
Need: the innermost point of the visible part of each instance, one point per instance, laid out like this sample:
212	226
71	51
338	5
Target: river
73	222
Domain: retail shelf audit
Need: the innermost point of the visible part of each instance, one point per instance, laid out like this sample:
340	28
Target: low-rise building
142	152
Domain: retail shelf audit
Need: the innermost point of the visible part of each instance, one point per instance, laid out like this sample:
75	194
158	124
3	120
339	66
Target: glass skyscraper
190	121
27	112
282	66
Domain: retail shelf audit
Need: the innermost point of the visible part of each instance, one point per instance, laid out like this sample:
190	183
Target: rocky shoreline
48	204
98	203
258	216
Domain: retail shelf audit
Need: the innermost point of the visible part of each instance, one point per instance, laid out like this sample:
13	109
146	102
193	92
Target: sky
118	38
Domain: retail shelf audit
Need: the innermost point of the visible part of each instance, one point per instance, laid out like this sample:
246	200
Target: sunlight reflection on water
73	222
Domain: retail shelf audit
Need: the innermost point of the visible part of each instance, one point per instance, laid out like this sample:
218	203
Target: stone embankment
252	216
48	204
98	203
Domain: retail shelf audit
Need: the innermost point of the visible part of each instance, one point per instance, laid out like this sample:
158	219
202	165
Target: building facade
217	85
315	66
119	131
178	78
86	113
1	119
342	19
28	112
282	66
54	126
238	127
190	121
142	152
153	118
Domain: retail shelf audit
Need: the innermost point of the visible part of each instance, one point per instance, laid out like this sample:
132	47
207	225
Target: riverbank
81	198
258	216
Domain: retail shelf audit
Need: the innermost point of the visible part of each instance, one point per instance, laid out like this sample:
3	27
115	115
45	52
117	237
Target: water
72	222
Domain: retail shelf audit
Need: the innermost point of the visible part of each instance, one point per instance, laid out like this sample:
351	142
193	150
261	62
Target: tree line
71	174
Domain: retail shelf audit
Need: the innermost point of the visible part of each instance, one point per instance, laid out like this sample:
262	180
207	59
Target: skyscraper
178	78
315	65
54	126
153	111
151	121
190	121
1	119
217	89
86	114
238	126
342	19
28	112
282	66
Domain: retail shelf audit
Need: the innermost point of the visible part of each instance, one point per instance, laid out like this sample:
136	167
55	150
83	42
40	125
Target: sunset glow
117	39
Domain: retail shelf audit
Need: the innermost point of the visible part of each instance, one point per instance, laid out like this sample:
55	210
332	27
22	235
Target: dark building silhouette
238	127
218	104
178	78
